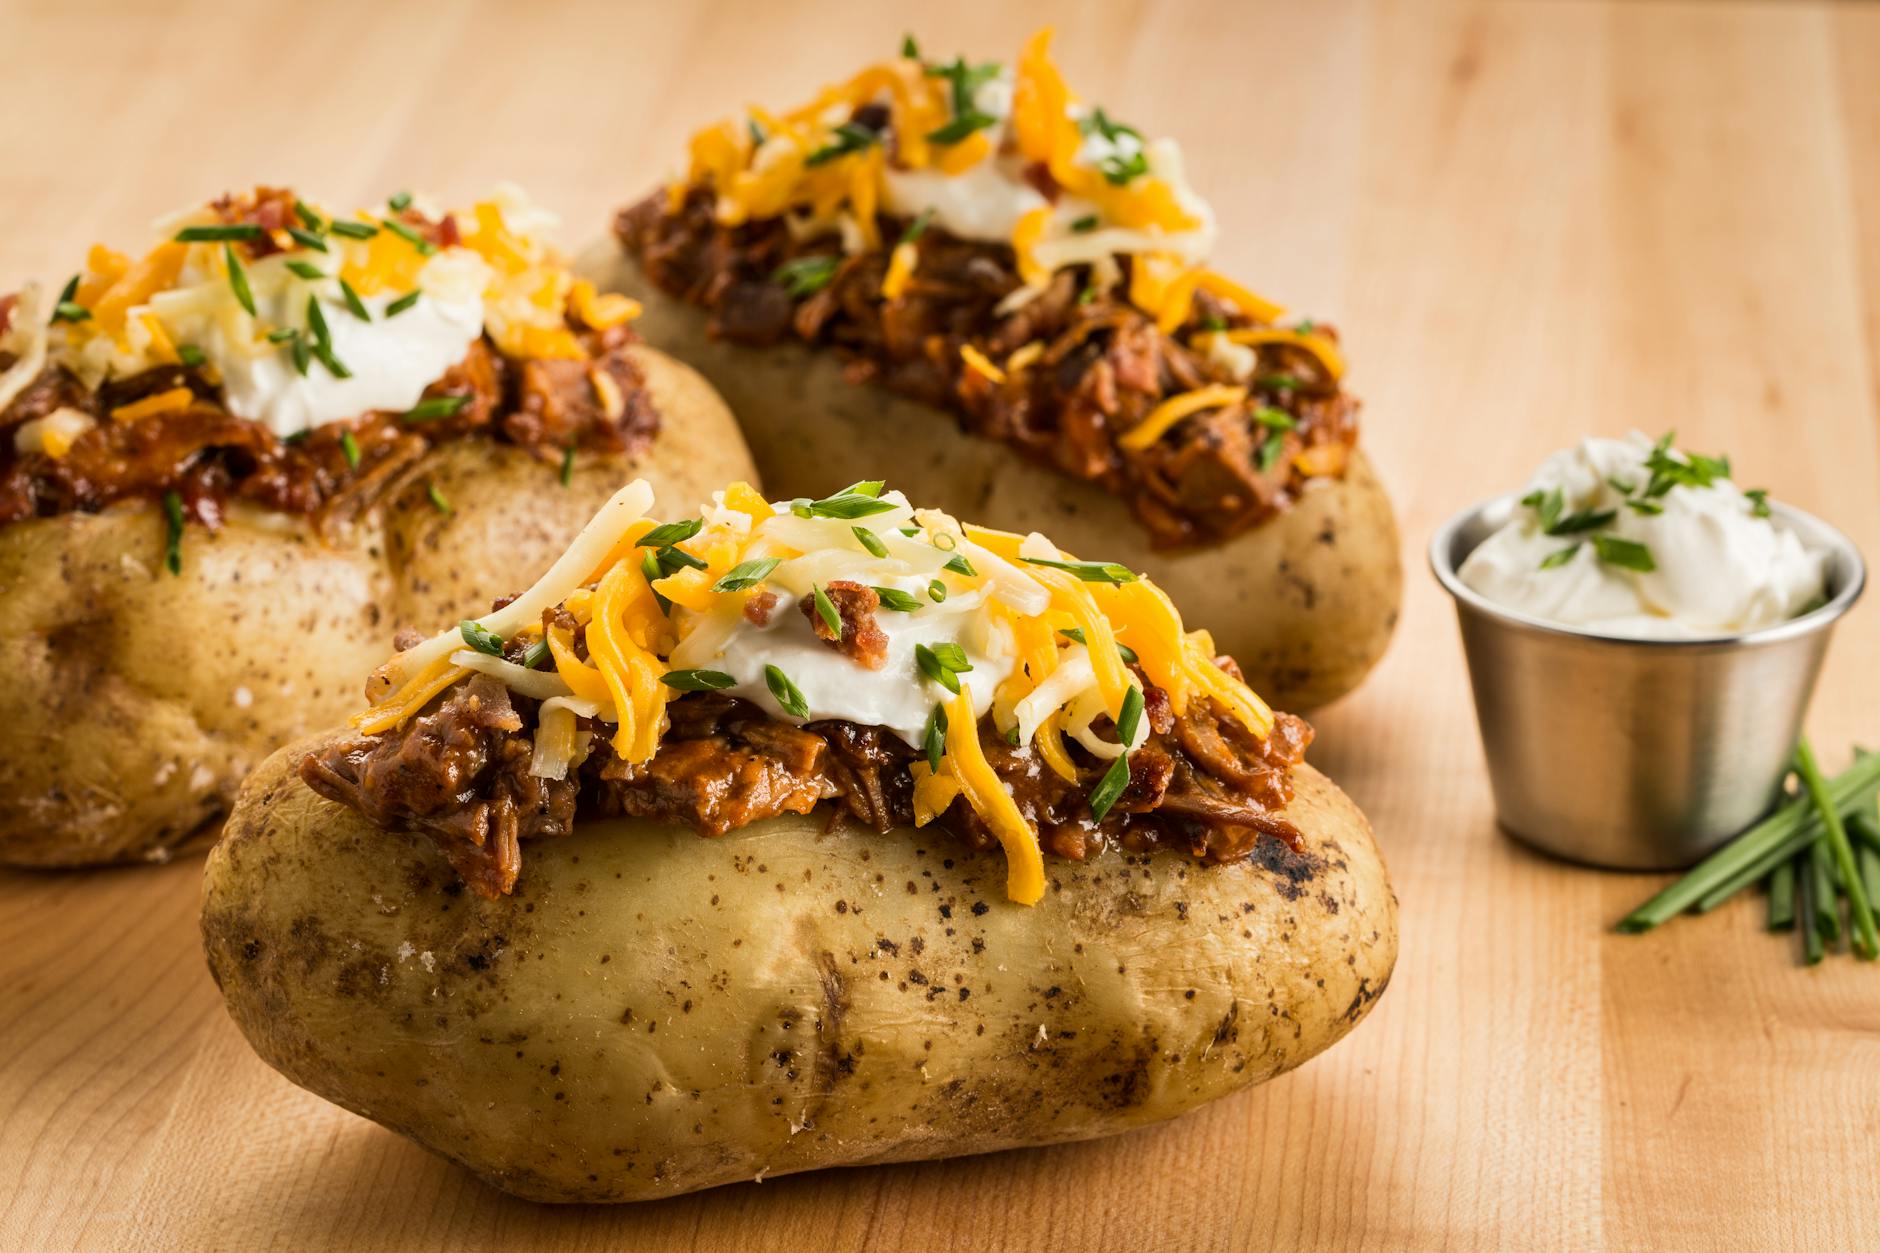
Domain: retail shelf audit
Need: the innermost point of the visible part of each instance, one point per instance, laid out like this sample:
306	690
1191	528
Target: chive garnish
1649	508
1123	650
424	246
190	355
353	230
567	464
943	663
959	565
480	637
755	131
1865	937
354	305
281	334
1110	788
350	448
910	49
846	505
1274	419
1278	382
934	739
1089	571
746	574
398	202
1117	168
787	693
403	303
936	591
235	232
69	311
1214	322
437	499
1560	557
866	487
238	279
432	408
968	123
1084	225
671	533
1011	735
535	654
308	218
173	543
826	609
1759	501
1272	448
1625	553
805	276
303	354
869	540
650	567
306	239
671	559
916	228
1130	716
698	680
849	139
896	599
305	269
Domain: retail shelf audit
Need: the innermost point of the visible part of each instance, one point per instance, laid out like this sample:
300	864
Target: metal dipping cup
1637	754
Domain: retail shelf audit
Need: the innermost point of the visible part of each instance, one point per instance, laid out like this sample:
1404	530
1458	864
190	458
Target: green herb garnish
787	693
755	131
1129	717
354	305
805	276
190	355
305	269
1560	557
1084	225
1274	419
238	279
1758	501
746	574
866	487
308	218
934	739
437	499
173	542
349	448
959	565
849	138
424	246
1625	553
432	408
235	232
916	228
1089	571
1272	448
968	123
69	311
869	540
943	663
1077	633
353	230
650	567
936	591
672	559
698	680
322	348
671	533
398	202
535	654
846	505
909	49
567	464
1649	508
306	239
403	303
480	637
826	610
1109	789
896	599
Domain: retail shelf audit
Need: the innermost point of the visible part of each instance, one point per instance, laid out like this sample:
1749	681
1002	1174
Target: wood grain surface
1531	222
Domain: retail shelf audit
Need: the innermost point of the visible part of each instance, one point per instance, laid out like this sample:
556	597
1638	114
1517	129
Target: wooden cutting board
1530	221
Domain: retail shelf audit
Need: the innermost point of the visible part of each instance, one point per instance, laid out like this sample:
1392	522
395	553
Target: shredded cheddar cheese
1319	346
979	784
176	398
977	362
1174	409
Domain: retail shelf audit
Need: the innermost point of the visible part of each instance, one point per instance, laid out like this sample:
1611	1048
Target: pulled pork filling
209	456
459	773
1104	364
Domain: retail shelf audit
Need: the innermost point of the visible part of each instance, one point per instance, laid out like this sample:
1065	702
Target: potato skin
136	699
653	1013
1306	603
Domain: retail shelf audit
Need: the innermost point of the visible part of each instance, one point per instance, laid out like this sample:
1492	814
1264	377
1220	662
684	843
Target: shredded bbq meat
861	637
460	774
1104	366
209	456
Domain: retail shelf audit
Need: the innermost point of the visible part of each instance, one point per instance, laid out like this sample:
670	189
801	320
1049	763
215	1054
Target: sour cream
1718	568
984	202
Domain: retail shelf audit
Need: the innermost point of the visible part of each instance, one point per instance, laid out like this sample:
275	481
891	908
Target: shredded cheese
901	263
979	784
1174	409
171	401
979	364
1319	346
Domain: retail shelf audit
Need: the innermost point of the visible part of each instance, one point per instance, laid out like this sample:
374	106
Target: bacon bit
758	607
861	639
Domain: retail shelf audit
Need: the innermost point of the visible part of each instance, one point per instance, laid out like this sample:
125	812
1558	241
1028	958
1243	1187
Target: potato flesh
653	1012
136	699
1306	602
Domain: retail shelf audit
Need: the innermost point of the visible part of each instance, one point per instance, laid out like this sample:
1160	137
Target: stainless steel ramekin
1636	754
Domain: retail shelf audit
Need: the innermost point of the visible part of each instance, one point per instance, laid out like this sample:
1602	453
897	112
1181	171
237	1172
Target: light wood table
1531	221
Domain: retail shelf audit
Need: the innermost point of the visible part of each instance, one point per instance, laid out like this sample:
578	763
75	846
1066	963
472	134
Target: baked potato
906	942
153	660
1010	265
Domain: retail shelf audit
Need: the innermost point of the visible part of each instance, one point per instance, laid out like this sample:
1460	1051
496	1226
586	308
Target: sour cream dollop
1717	567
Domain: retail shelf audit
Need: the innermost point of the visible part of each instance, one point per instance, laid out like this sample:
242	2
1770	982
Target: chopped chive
1130	717
1649	508
350	448
1561	556
281	334
353	230
911	51
943	663
849	138
306	239
805	276
432	408
1127	653
1271	450
234	232
173	542
308	218
238	279
535	654
672	559
1274	419
1214	322
952	656
867	487
303	354
70	311
746	574
650	567
869	540
787	693
398	202
305	269
1782	897
1084	225
1759	501
1584	520
69	290
1827	910
897	600
437	499
959	565
1865	937
424	246
936	591
333	364
826	609
403	303
1625	553
567	464
1089	571
755	131
968	123
1805	906
480	637
847	505
1110	788
316	322
354	305
1278	382
698	680
190	355
916	228
671	533
934	739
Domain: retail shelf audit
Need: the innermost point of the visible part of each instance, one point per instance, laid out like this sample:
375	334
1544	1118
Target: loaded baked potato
1005	856
1009	263
211	517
